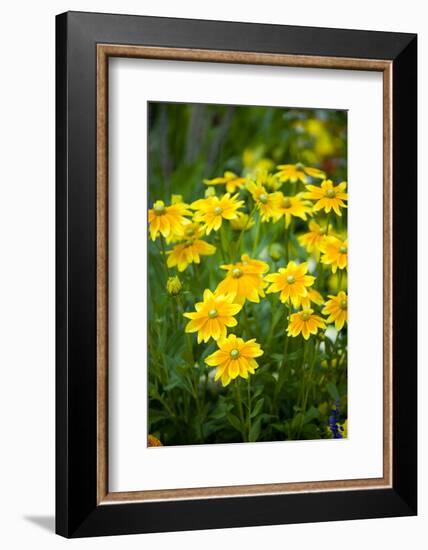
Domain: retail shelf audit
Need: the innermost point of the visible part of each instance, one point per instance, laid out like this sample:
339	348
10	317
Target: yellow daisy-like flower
291	282
328	196
313	238
242	223
187	253
212	316
267	203
213	210
234	358
304	322
298	172
244	280
188	230
168	220
230	179
292	206
337	309
313	296
267	180
335	253
153	441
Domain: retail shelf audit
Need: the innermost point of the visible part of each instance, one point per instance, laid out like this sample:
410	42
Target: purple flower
336	430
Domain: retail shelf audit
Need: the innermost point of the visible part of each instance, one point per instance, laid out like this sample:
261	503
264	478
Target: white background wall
27	272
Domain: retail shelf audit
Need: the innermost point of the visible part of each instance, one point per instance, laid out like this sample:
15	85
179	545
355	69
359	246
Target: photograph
247	274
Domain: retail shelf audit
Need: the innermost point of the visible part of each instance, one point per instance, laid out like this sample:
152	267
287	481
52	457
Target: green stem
241	235
339	279
257	236
240	410
307	389
276	316
287	244
246	321
249	407
302	380
162	241
281	372
328	223
188	336
220	237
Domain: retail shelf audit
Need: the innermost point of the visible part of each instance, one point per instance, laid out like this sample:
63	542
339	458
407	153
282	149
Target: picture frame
84	44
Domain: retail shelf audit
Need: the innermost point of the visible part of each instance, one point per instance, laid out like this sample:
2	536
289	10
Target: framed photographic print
236	274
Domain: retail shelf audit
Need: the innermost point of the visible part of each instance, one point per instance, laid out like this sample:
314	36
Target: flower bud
209	192
175	199
173	286
276	251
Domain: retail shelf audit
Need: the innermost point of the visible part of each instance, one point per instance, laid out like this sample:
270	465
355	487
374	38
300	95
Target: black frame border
77	512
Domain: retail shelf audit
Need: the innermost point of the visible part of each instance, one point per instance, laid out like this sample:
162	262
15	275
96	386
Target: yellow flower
304	322
337	309
167	220
234	358
335	253
188	230
242	223
230	179
328	196
267	180
291	282
313	296
313	239
173	286
298	172
153	441
189	252
267	203
213	210
212	316
291	206
244	280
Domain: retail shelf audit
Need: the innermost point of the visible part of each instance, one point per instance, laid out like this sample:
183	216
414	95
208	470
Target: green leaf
255	430
257	409
332	390
234	421
311	414
156	416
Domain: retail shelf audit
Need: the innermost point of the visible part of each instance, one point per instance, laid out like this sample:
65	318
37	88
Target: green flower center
159	208
236	273
286	203
212	313
300	167
263	198
218	210
305	316
343	250
330	193
234	353
344	304
291	279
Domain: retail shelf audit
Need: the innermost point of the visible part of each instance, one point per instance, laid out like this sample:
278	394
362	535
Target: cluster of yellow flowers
184	226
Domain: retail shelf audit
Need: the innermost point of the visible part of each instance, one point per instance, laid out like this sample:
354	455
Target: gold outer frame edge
104	51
